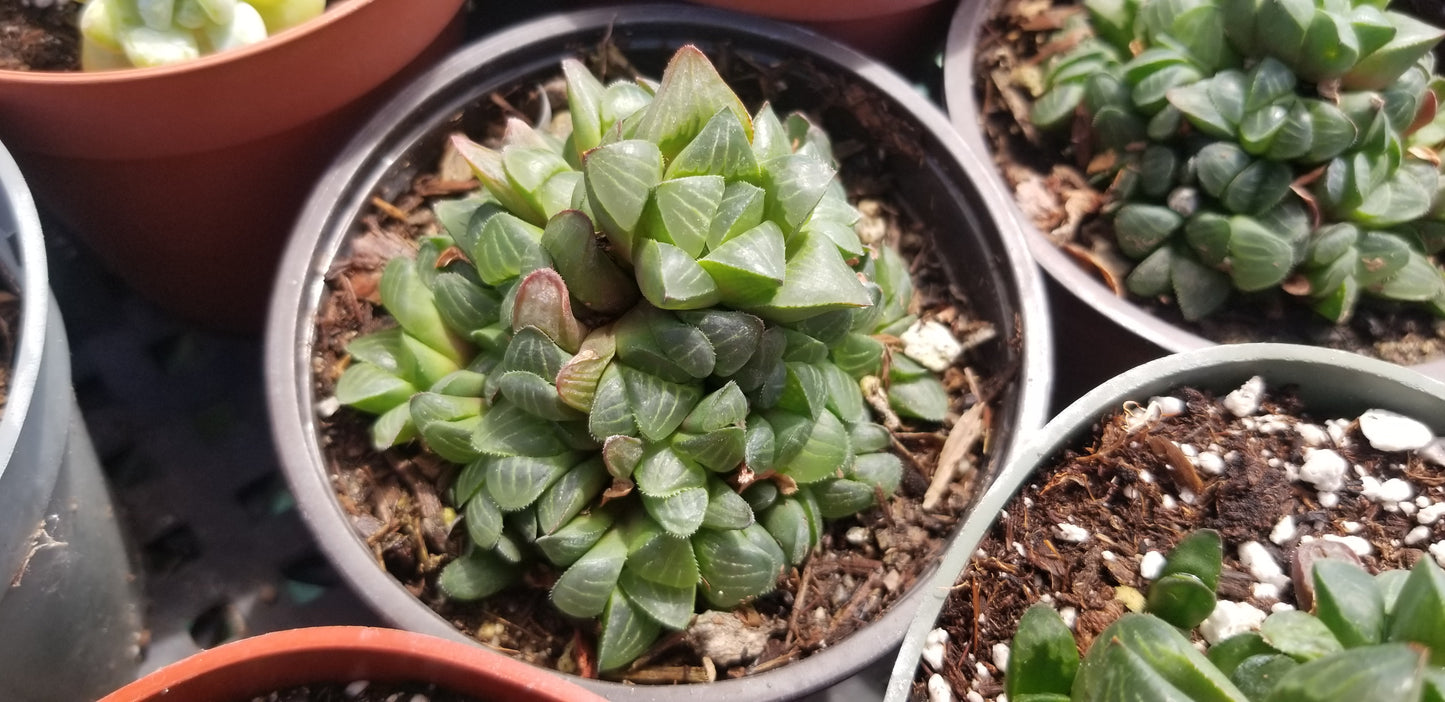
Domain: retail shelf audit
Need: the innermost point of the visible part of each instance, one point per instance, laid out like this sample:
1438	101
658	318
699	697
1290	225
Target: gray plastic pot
70	611
944	183
1121	332
1330	382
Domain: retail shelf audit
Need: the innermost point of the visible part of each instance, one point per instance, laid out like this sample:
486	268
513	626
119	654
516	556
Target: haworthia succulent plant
644	342
1253	138
1370	637
144	33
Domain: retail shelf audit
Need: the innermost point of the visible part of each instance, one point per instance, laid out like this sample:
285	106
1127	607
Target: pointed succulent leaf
793	185
660	557
741	209
1419	280
825	451
507	430
770	138
817	280
1383	673
583	589
1151	93
719	450
1262	185
682	210
535	396
1408	195
1229	653
515	482
413	306
687	346
529	168
1258	129
759	444
1257	675
659	406
1330	48
802	347
669	606
661	472
723	407
639	346
1282	27
748	268
584	102
487	166
806	390
463	305
611	412
734	336
533	351
625	634
737	564
845	398
384	350
1122	674
1331	131
484	521
1218	164
1141	228
842	497
542	301
567	497
1199	554
569	543
393	428
1372	27
858	355
1419	612
786	522
1181	599
671	279
726	509
1159	648
1299	635
720	149
1412	40
1348	602
622	101
680	513
446	424
454	214
506	246
620	177
1055	109
1210	104
371	389
592	277
1199	289
1151	277
424	366
476	575
1043	657
578	378
690	94
1259	258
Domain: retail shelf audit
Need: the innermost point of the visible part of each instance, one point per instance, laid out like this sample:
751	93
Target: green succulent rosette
644	342
1263	144
147	33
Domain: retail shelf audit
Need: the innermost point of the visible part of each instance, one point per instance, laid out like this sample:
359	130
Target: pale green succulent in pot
147	33
652	342
1262	144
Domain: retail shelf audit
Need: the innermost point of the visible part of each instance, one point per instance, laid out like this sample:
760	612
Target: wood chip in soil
1136	493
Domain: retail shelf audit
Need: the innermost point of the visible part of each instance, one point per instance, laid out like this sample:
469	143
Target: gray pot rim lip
958	88
299	283
1083	412
32	277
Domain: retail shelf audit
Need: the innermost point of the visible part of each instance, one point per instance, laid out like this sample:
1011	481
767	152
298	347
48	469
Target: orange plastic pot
185	179
897	31
240	670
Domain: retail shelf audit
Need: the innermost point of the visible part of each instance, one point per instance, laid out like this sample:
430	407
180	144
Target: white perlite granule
1324	469
1388	431
1230	618
934	646
1245	401
1071	533
938	689
1151	565
1284	531
931	344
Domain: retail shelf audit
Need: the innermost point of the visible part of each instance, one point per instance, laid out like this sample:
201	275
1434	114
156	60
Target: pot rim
1299	363
124	76
958	87
815	12
258	664
299	287
30	274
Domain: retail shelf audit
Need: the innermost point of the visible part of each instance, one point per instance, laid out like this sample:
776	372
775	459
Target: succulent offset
1368	638
651	342
1262	144
143	33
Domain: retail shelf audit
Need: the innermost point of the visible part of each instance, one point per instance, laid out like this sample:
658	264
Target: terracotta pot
239	670
940	183
185	179
897	31
1123	333
1329	382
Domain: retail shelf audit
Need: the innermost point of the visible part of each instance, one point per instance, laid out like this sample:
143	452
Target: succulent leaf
476	575
1043	658
626	633
737	564
1380	673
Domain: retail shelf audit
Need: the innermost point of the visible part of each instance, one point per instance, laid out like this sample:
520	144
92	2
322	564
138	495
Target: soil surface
362	691
39	38
1130	494
9	336
864	563
1050	177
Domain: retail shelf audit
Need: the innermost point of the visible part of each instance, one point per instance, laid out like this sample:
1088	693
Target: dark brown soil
9	335
397	498
365	692
1049	176
39	38
1127	491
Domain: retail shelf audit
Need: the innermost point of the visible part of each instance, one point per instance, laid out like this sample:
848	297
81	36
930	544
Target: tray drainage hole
216	625
171	549
308	578
266	496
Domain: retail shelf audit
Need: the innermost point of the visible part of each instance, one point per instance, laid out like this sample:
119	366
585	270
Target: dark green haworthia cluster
1370	638
645	341
1261	144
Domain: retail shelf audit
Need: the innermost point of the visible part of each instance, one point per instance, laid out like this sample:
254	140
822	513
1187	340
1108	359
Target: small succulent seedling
1370	638
1262	144
645	343
142	33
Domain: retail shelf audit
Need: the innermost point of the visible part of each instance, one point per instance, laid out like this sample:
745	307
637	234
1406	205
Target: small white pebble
1360	546
356	687
1313	435
1230	618
1210	462
1136	417
1434	453
980	553
1437	550
1273	426
1168	406
1339	431
1328	500
1186	496
1408	508
1168	502
973	696
1261	563
1000	656
1417	535
932	344
1431	514
1388	431
1019	549
1146	477
1324	469
981	671
1392	490
934	647
1028	502
1131	492
1151	565
1069	615
1274	462
327	406
1351	527
1284	531
1264	591
1422	501
1107	555
1281	607
1188	450
1071	533
938	689
1245	401
858	536
1047	598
